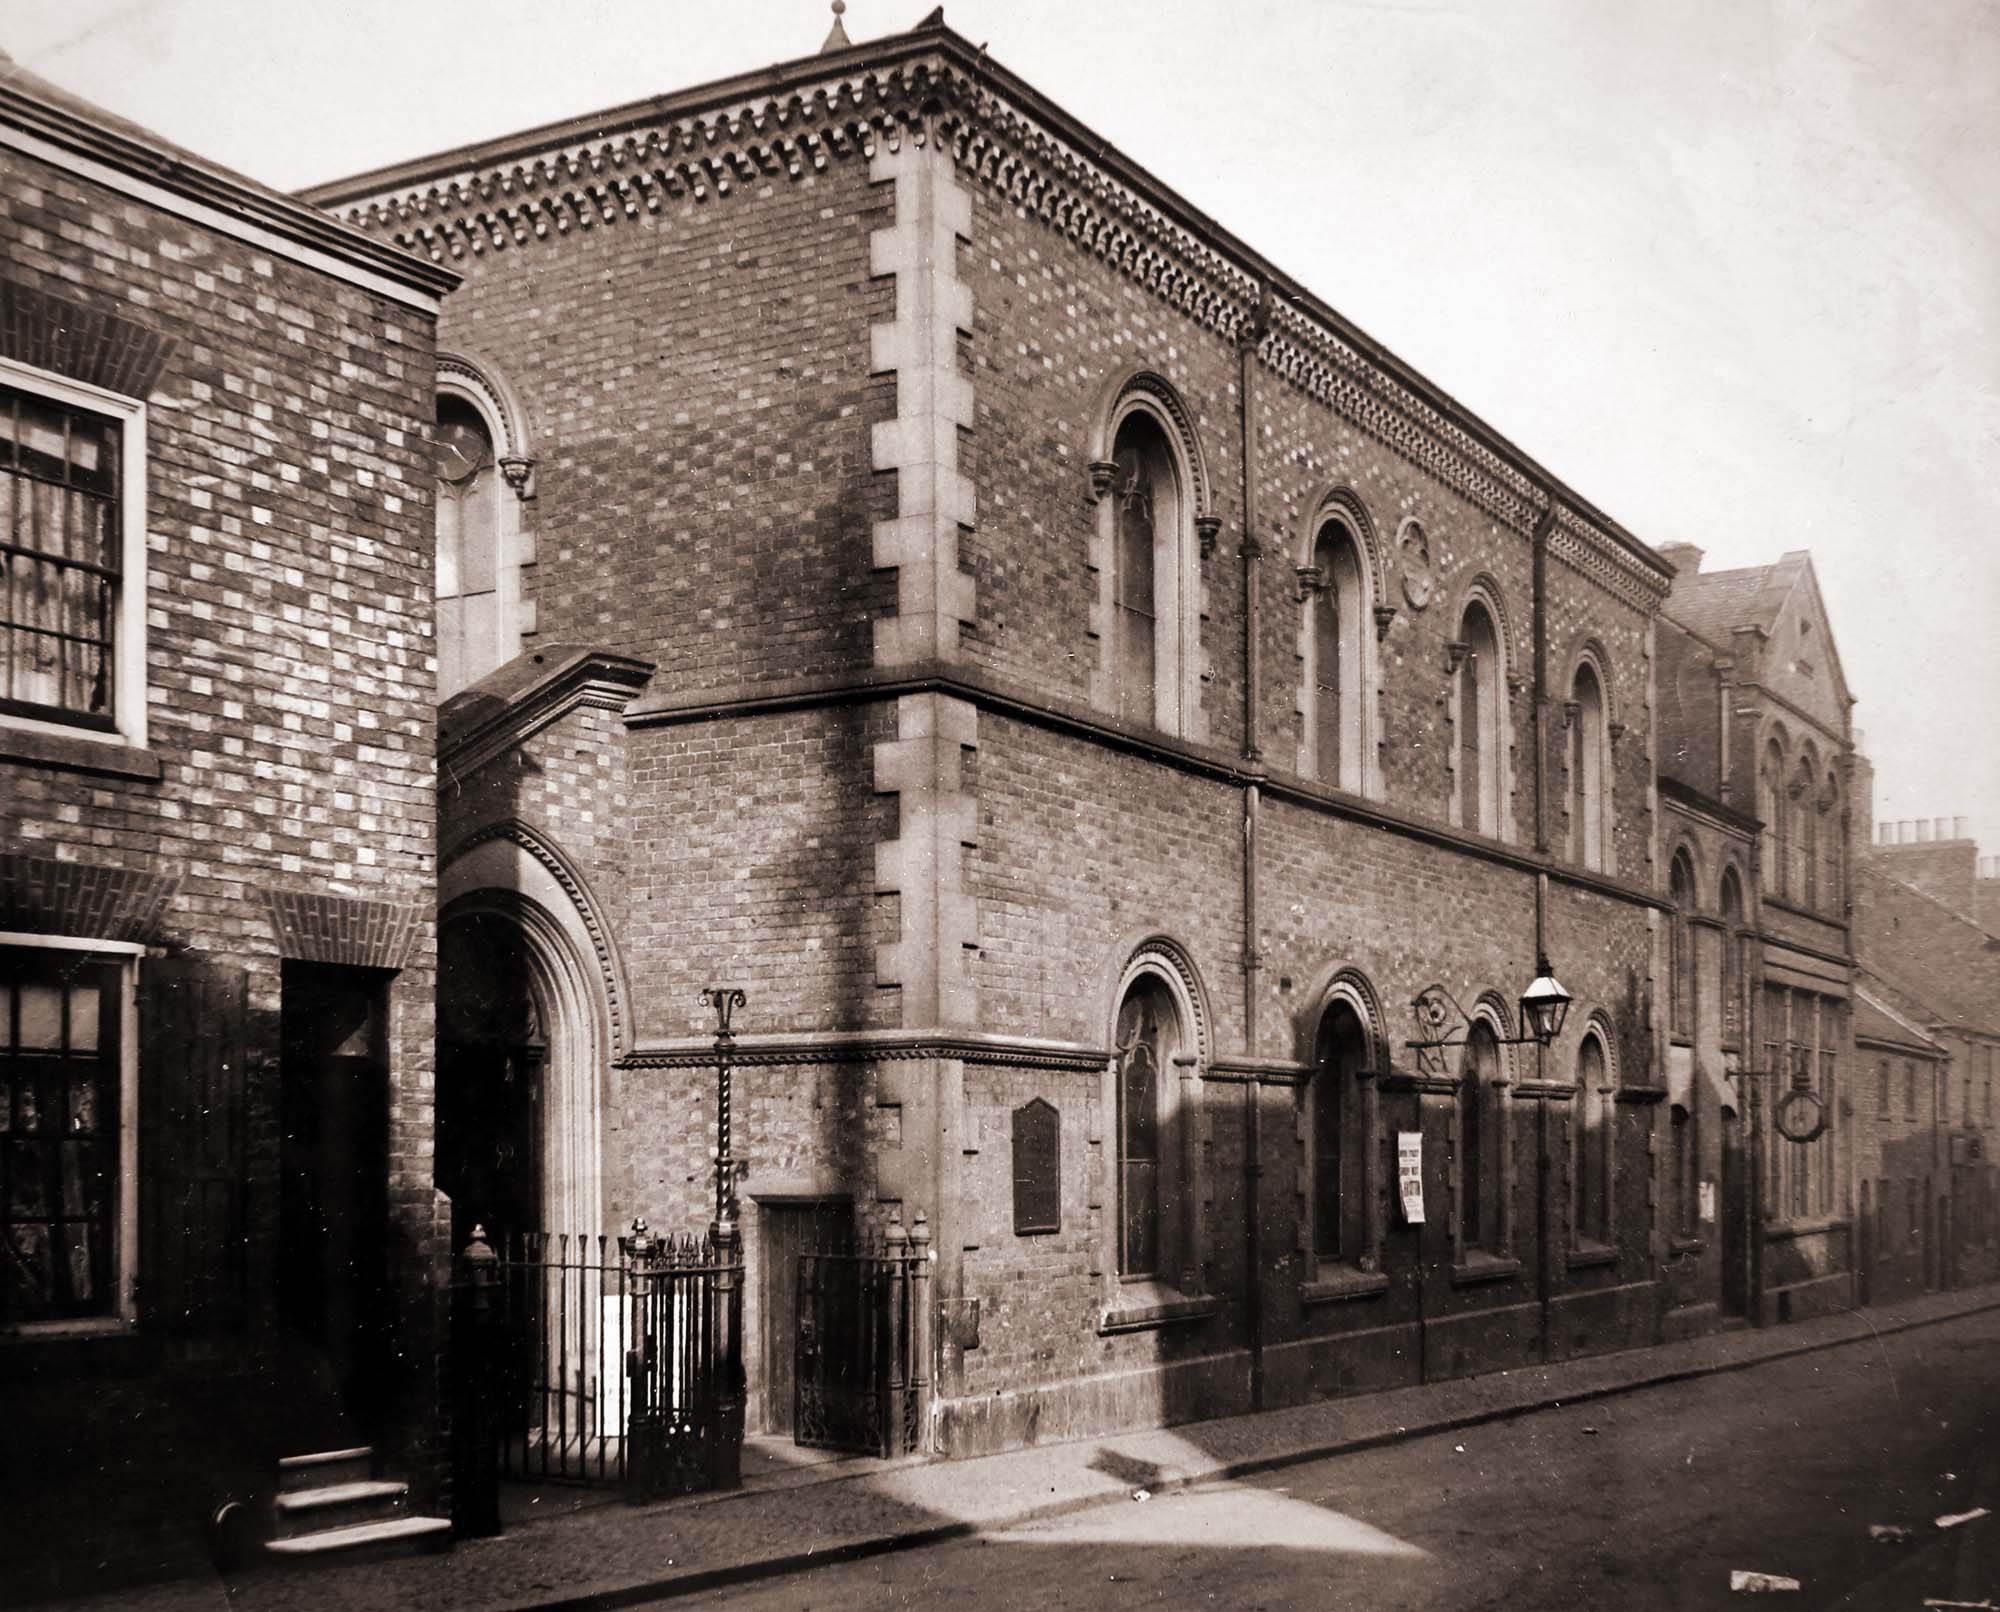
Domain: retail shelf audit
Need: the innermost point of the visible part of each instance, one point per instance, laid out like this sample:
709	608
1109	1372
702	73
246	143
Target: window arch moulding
1342	623
485	531
1486	806
1170	1135
1151	495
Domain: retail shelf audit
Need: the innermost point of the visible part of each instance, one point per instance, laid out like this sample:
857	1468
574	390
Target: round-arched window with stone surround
1153	1097
484	545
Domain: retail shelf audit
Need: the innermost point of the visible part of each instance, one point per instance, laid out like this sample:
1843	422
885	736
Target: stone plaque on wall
1037	1168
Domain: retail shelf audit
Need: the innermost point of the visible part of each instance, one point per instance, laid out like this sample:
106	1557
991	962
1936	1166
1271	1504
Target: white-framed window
73	551
68	1133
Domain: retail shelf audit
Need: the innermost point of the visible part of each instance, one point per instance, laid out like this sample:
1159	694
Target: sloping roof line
855	80
1897	1030
36	115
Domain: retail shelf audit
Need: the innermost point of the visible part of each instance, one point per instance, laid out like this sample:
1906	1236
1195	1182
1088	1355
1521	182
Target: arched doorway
492	1059
520	1068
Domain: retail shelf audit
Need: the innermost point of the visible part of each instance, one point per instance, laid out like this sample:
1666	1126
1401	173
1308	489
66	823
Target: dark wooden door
1733	1207
784	1229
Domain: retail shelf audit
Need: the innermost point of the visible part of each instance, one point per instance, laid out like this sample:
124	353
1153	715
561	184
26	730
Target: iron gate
601	1360
861	1360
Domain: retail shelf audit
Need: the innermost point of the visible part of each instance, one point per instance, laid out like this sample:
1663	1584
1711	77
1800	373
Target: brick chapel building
217	842
897	557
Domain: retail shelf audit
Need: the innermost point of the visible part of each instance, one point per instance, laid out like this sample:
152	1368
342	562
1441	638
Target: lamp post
1544	1006
725	1445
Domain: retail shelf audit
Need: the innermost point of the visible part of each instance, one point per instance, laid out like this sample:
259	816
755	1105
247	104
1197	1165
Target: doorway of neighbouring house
785	1227
333	1290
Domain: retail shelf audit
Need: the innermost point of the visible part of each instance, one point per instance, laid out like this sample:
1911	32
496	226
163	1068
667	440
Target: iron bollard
645	1432
475	1507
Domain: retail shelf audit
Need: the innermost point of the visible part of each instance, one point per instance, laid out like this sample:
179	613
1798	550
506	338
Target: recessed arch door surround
524	1039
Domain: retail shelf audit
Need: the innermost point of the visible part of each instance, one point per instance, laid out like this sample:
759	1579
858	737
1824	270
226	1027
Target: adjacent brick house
1756	733
217	841
897	557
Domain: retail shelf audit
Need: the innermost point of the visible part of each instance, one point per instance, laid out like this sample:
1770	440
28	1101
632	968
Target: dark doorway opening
492	1055
1733	1207
333	1289
785	1230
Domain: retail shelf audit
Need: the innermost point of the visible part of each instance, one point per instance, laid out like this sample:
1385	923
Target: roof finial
836	38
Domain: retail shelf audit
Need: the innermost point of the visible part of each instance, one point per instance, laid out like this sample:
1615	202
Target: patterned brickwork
290	730
344	929
49	331
40	895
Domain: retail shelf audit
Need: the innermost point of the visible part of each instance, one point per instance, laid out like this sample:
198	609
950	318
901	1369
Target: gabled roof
1715	603
1879	1024
46	120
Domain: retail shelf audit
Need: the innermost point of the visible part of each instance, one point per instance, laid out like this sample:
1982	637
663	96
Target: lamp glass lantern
1544	1004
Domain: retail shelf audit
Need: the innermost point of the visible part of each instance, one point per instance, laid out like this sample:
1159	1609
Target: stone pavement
565	1552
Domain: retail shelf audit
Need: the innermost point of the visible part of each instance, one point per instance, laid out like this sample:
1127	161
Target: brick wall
291	685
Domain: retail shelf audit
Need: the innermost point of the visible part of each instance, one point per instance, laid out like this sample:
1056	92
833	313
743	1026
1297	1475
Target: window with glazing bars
59	1105
60	547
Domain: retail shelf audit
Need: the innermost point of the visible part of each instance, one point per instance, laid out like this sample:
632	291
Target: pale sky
1730	269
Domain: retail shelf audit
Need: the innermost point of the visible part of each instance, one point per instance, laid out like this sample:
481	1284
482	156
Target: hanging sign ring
1794	1125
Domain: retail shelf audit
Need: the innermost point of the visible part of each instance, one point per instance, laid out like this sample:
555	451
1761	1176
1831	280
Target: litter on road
1953	1519
1760	1583
1888	1533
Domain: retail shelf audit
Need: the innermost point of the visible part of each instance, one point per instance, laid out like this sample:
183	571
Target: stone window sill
1642	1094
1776	1229
1147	1305
1588	1254
1477	1267
1334	1283
76	752
1685	1245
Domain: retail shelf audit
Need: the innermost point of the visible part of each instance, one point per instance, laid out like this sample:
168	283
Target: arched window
1680	963
1341	1057
1732	959
484	550
1591	1194
1339	651
1481	724
1589	768
1832	895
1882	1088
1479	1183
1152	1043
1681	1162
1770	807
1804	875
1153	648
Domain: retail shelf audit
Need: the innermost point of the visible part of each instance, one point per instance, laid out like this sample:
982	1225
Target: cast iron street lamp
1544	1006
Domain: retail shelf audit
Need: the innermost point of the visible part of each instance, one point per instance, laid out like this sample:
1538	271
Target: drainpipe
1256	323
1545	1231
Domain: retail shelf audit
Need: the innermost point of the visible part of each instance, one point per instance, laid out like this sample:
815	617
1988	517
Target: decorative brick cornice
312	927
85	343
42	896
930	86
871	1047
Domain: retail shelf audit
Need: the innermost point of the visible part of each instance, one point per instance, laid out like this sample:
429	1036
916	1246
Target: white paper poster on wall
1708	1200
1410	1174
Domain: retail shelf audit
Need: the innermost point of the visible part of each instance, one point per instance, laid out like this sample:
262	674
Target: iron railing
861	1374
602	1360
